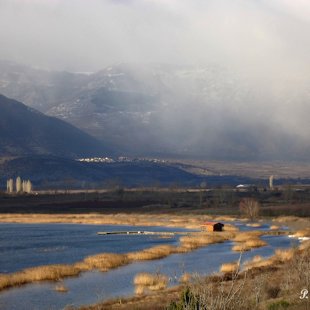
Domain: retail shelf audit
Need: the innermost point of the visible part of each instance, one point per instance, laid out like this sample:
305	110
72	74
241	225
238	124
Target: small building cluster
21	186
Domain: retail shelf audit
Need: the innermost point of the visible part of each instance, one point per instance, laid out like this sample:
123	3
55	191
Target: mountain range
206	112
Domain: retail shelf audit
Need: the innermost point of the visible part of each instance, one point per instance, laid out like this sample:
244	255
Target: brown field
135	219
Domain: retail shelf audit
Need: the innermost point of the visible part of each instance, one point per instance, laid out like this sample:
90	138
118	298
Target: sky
87	35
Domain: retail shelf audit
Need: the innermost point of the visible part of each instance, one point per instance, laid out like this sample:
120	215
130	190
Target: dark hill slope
55	172
25	131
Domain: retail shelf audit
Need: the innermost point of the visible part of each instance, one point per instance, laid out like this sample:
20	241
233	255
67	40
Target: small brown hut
212	226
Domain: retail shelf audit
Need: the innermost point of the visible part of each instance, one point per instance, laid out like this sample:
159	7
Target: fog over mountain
226	79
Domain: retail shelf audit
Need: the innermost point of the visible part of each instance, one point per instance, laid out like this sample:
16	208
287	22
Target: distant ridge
25	131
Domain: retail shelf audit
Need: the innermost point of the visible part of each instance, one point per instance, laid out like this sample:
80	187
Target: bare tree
28	188
249	207
18	185
10	186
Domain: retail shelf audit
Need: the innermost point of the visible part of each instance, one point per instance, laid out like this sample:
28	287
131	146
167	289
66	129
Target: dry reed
258	262
284	255
41	273
230	267
302	233
274	227
230	227
195	241
244	236
185	278
61	288
253	225
106	261
147	281
152	253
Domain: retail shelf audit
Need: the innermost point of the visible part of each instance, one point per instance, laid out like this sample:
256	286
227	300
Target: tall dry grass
61	288
105	261
280	256
41	273
230	227
302	233
185	277
197	240
152	253
255	225
246	241
246	235
230	267
274	227
147	281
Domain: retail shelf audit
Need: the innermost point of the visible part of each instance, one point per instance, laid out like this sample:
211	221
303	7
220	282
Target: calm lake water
28	245
36	244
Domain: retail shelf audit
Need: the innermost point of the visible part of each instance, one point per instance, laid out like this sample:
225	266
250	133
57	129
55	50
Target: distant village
119	160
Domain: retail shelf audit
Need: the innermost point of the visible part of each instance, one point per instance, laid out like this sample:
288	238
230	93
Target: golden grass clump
285	219
139	289
258	262
105	261
255	243
230	267
185	278
225	218
49	272
274	227
41	273
246	235
152	253
302	233
253	225
230	227
195	241
248	245
304	245
61	288
247	241
284	255
240	247
147	281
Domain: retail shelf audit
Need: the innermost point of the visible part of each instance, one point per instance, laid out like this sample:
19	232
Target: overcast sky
87	35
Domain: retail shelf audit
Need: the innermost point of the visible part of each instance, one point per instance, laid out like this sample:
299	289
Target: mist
262	105
78	35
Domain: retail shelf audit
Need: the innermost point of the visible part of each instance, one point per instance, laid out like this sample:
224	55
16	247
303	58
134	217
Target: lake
26	245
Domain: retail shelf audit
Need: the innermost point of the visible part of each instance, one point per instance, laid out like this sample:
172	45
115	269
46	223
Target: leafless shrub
250	208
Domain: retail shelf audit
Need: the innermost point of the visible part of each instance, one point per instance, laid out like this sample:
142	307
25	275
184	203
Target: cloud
265	43
91	34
